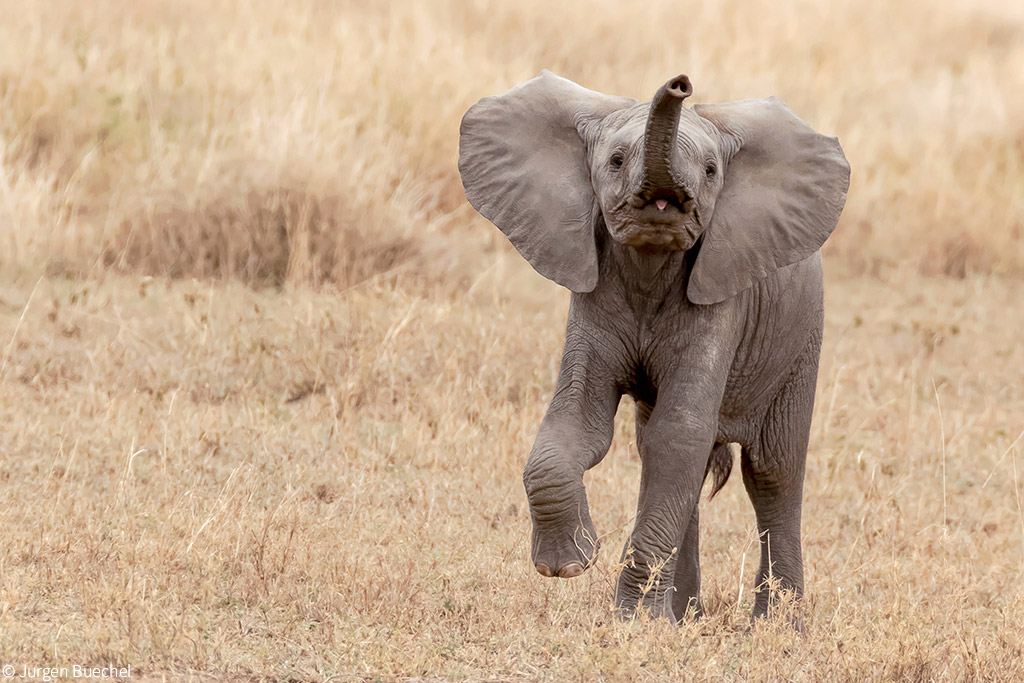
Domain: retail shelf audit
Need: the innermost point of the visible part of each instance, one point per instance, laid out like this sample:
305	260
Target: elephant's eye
616	160
711	169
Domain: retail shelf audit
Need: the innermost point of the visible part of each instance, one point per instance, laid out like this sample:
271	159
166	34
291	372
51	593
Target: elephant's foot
565	550
771	607
651	605
571	570
642	590
687	607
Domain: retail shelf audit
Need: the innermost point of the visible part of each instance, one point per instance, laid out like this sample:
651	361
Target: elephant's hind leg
773	474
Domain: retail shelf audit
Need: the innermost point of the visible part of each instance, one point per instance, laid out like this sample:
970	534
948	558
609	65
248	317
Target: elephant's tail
719	467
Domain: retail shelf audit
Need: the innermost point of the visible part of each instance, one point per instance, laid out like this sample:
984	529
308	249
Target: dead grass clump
958	257
263	238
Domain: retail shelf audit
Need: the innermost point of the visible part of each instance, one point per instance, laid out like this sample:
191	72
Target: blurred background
316	141
268	383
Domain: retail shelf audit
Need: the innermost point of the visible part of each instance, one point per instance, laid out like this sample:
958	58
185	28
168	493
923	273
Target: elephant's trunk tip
679	87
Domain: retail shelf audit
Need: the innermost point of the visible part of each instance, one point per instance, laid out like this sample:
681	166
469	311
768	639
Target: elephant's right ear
524	167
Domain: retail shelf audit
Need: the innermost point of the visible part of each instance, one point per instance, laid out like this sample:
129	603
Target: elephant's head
549	162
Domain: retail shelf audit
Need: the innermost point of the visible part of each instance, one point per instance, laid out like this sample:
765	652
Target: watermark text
64	673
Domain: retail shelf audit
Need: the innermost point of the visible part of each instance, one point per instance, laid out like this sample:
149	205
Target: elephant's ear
785	186
524	167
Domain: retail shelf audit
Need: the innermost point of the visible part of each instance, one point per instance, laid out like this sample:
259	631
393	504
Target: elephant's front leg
574	436
674	454
686	584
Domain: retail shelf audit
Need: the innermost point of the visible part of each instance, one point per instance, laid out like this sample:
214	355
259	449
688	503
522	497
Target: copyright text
74	672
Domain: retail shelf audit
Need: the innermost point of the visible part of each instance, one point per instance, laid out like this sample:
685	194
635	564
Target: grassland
267	383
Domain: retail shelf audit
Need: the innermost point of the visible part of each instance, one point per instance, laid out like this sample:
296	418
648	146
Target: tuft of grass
262	237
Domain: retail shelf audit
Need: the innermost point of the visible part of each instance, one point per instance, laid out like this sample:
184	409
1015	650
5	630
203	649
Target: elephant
690	238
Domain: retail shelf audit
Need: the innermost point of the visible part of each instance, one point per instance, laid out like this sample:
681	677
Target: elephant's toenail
570	570
544	569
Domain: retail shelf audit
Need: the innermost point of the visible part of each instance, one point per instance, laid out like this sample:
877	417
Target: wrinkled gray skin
690	239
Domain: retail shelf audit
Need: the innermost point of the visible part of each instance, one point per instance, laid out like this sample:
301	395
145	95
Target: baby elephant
690	238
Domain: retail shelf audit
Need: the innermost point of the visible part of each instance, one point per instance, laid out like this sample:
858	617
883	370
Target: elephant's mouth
659	225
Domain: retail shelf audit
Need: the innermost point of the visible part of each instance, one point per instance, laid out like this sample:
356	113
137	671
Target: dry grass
321	479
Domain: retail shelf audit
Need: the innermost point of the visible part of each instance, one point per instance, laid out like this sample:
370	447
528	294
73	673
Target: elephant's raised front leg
574	436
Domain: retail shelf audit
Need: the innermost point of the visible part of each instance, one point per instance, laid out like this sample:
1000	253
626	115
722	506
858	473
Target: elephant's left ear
785	186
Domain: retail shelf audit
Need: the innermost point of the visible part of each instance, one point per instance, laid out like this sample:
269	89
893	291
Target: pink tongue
661	204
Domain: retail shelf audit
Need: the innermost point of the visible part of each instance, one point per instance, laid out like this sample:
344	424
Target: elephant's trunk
660	135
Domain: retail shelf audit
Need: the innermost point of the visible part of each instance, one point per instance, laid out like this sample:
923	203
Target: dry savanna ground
267	384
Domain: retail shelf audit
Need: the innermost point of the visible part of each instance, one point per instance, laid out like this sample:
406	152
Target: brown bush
263	238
